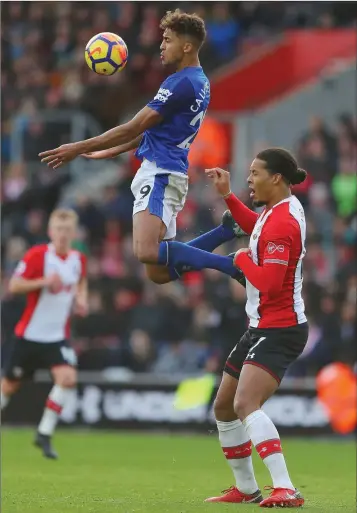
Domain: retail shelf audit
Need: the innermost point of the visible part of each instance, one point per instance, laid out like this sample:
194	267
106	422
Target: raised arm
118	136
245	217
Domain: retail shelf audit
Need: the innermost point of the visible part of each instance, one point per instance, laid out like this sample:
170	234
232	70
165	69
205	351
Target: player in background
278	328
53	278
162	132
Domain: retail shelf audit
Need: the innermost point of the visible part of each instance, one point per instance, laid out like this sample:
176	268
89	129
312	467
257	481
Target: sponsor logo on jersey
64	288
273	247
163	95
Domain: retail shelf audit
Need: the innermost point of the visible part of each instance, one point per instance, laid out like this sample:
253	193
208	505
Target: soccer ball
106	53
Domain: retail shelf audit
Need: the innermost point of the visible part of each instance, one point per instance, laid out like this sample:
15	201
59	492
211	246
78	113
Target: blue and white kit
161	183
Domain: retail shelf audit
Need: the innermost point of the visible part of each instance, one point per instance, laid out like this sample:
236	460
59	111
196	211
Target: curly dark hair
185	24
279	160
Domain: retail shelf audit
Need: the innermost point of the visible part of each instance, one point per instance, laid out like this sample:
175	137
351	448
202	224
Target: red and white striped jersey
278	237
46	315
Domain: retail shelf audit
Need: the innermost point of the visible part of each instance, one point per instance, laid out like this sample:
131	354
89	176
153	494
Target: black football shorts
26	357
272	349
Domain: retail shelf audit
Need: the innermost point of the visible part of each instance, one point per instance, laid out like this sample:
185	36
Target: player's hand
54	283
59	156
81	307
221	180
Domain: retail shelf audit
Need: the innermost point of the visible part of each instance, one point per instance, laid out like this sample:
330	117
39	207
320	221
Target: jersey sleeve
242	215
277	244
172	96
32	264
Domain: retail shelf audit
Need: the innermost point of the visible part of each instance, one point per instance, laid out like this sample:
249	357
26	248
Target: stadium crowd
193	324
44	44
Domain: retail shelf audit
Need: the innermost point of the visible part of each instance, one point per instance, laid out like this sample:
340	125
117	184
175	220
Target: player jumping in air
278	328
53	277
163	132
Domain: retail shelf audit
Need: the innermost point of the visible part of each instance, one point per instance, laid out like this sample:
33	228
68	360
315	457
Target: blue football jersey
182	101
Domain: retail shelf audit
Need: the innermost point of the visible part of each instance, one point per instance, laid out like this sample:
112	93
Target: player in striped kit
278	328
53	278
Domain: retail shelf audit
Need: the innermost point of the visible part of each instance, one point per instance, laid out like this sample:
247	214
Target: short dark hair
281	161
185	24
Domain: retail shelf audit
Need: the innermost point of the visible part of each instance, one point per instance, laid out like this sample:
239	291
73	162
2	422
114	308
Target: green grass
145	473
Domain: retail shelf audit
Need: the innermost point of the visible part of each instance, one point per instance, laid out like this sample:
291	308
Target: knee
158	275
146	253
244	406
9	387
159	280
66	379
223	410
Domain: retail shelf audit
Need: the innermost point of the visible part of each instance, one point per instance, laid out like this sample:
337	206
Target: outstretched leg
148	228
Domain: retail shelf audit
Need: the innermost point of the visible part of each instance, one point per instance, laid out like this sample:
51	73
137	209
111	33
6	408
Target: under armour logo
251	355
273	247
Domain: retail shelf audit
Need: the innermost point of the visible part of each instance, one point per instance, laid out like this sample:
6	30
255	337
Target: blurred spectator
35	232
15	181
344	190
321	212
15	248
139	354
317	152
223	32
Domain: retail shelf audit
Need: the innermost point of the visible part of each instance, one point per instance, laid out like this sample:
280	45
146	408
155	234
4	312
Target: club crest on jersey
273	247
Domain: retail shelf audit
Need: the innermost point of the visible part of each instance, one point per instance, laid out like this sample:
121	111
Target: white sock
4	400
54	404
265	437
237	449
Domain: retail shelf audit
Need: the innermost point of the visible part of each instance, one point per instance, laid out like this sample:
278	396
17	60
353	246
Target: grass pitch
147	473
